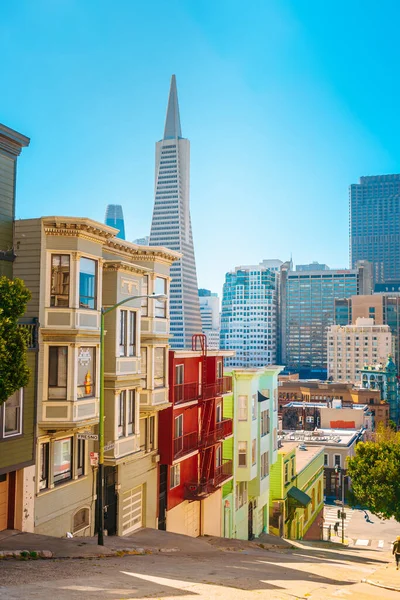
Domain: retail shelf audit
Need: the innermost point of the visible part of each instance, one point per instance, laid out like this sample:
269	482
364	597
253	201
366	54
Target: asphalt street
277	575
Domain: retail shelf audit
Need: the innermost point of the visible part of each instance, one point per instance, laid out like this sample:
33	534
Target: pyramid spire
172	128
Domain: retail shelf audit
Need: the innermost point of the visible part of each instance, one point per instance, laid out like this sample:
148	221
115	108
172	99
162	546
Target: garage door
192	519
3	501
132	510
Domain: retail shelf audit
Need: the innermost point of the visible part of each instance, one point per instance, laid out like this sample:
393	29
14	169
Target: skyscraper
375	225
115	218
249	321
308	308
171	226
210	319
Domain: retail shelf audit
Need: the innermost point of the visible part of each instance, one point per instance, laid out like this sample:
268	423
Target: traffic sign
94	459
86	435
109	446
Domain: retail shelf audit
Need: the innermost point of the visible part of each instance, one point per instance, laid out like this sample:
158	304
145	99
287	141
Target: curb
26	554
381	585
47	554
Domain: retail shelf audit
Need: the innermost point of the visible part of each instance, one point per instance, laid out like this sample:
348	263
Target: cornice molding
11	141
125	267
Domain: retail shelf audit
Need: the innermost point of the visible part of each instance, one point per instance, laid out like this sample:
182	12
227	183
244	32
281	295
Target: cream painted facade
73	267
350	347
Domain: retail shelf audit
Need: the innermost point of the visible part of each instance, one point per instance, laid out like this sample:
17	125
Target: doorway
251	534
162	498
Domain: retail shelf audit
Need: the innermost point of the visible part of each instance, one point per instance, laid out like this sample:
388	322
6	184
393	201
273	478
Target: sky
285	103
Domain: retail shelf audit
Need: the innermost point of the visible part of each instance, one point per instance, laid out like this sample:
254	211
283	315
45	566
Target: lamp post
340	472
100	491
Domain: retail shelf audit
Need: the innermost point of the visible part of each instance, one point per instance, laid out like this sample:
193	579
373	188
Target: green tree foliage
14	372
375	474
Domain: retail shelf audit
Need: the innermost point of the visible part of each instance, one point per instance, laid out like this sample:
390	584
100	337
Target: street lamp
104	311
339	471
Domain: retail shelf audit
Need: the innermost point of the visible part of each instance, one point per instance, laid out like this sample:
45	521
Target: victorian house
74	267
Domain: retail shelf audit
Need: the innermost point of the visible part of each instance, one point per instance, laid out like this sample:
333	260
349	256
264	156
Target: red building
191	432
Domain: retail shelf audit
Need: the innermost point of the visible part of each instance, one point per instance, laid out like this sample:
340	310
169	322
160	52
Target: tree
375	474
14	371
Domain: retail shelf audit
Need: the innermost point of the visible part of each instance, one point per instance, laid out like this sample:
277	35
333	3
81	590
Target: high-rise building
375	225
383	308
249	316
308	308
383	377
171	226
353	346
143	241
115	218
210	318
314	266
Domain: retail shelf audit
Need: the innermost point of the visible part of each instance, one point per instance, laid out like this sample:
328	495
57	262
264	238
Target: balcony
223	385
186	392
222	430
185	444
198	490
223	472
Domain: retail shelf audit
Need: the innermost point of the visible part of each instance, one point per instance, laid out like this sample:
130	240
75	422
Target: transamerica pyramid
171	226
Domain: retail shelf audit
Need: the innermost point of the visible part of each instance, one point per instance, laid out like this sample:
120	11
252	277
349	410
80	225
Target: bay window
159	367
58	369
87	283
12	414
86	372
161	305
60	279
62	460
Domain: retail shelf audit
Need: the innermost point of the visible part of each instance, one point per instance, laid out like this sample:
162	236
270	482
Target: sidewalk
386	577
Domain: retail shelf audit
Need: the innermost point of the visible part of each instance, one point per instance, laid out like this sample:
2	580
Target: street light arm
151	296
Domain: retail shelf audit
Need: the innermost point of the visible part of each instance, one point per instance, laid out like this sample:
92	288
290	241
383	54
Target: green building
383	378
253	449
296	494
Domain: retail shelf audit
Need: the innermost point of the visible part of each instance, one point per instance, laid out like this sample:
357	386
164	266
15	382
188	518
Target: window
152	430
326	461
159	367
292	468
254	407
81	520
175	476
264	465
145	301
126	413
58	363
337	460
132	333
80	461
12	421
87	283
179	374
86	372
286	472
44	466
219	369
275	434
131	412
242	452
178	426
62	460
241	494
242	405
218	412
123	332
161	305
253	452
313	500
319	496
265	422
143	368
60	276
218	456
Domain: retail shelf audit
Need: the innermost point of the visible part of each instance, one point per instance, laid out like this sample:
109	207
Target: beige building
350	347
74	267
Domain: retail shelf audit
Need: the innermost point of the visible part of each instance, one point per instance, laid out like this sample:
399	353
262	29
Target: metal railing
31	328
196	490
222	430
223	472
185	444
186	392
223	385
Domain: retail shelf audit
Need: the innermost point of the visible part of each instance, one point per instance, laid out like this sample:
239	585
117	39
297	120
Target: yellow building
296	492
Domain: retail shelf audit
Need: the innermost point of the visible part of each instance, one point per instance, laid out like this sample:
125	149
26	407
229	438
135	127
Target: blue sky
286	102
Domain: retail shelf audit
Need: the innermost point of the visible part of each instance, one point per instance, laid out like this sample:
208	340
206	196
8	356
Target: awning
301	498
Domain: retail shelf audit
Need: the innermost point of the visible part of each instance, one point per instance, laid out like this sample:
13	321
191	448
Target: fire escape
210	474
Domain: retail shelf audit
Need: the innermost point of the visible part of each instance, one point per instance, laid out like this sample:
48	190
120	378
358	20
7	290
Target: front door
162	498
3	501
251	536
110	513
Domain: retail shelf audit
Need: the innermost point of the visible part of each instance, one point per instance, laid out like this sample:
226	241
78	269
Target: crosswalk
331	517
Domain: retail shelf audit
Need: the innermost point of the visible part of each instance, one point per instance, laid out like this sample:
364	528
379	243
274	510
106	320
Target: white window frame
264	465
220	369
125	328
179	374
175	476
178	425
242	452
243	403
20	407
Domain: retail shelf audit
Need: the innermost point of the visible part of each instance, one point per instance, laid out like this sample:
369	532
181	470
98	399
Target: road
375	533
306	572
